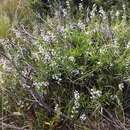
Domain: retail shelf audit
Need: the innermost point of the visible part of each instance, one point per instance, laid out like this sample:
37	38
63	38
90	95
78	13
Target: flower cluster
57	77
83	117
76	103
40	84
80	25
128	45
121	86
71	58
95	94
49	37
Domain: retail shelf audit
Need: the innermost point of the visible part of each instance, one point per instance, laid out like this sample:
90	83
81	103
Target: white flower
99	63
102	12
64	12
38	85
113	97
71	58
83	117
76	103
56	77
124	7
93	11
26	86
96	93
128	45
68	4
46	83
76	97
76	94
49	37
80	6
121	86
53	52
81	25
73	26
75	72
47	57
56	107
117	13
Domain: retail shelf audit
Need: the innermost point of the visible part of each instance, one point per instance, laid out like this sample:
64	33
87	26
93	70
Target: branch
4	125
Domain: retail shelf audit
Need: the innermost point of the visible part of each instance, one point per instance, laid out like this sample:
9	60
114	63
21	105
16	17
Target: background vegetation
64	65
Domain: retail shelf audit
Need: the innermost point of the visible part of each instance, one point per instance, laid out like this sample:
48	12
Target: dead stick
4	125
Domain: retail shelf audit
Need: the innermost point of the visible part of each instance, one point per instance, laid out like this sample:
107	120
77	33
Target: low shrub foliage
64	74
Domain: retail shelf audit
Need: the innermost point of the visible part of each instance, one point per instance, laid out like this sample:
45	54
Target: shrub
64	76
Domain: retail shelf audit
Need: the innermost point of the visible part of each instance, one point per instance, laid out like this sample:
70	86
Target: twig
26	32
4	125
